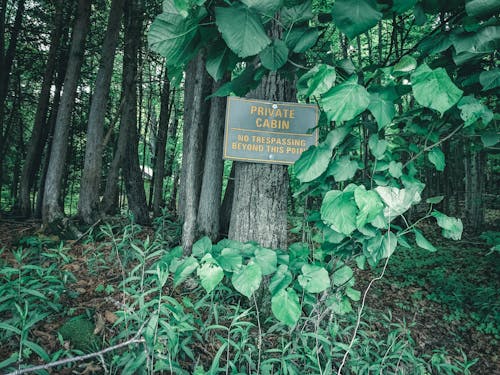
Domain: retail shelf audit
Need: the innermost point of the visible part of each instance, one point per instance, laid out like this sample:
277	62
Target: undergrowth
184	329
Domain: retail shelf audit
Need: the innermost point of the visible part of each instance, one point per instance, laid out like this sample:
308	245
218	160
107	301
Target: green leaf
339	211
314	279
490	139
185	268
220	59
230	259
275	55
342	275
343	169
395	169
174	36
340	305
300	39
377	146
380	247
210	273
436	157
434	89
490	79
242	30
267	260
422	242
247	279
280	280
370	205
286	307
435	200
313	162
482	41
345	101
202	247
405	65
382	105
266	7
240	85
471	110
355	17
401	6
316	81
297	13
480	8
452	227
397	201
353	294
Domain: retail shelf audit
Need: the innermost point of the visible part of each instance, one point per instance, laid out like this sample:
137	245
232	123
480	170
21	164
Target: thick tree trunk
161	140
88	204
474	190
208	220
259	211
40	128
52	210
198	85
132	174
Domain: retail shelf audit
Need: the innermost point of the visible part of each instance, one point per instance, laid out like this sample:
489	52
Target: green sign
260	131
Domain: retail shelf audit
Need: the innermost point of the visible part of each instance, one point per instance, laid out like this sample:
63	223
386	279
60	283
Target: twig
134	340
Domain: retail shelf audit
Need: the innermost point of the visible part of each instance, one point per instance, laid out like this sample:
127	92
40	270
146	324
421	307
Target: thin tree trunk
132	174
208	219
474	190
161	140
259	211
40	131
195	125
7	60
52	210
88	204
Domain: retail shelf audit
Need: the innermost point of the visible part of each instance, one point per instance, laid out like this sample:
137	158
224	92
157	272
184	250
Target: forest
139	236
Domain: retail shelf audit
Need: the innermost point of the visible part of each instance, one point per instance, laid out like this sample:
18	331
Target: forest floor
450	300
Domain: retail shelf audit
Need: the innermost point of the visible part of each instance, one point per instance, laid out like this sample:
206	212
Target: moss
79	331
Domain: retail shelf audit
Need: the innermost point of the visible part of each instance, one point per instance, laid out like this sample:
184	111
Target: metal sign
260	131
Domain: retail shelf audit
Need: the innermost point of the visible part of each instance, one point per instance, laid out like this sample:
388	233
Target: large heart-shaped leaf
377	146
345	101
275	55
342	275
267	260
300	39
452	227
185	268
472	110
343	169
201	247
397	201
355	17
230	259
210	273
434	88
436	157
242	30
317	81
247	279
370	205
313	162
296	13
339	211
382	105
286	306
314	279
220	59
174	36
280	280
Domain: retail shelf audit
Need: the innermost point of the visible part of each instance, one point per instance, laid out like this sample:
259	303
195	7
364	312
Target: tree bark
208	220
259	211
88	204
40	127
227	205
52	210
195	124
474	190
134	184
161	140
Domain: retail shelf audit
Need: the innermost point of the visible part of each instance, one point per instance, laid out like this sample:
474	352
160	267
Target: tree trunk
259	211
208	219
474	190
52	210
40	132
132	174
161	140
198	85
7	59
88	204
